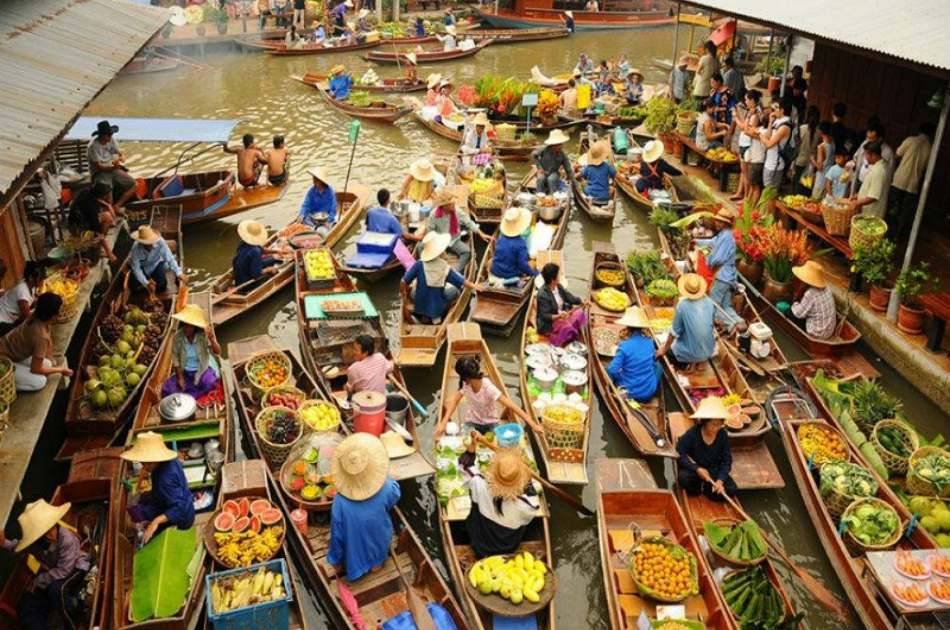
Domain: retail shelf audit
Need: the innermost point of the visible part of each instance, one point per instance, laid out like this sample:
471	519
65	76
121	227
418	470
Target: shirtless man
250	161
277	162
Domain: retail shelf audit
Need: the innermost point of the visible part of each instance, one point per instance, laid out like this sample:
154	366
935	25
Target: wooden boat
229	302
465	340
379	595
646	426
562	463
281	49
211	422
543	13
149	63
379	111
595	211
487	217
629	502
511	150
399	86
426	56
627	187
515	35
89	428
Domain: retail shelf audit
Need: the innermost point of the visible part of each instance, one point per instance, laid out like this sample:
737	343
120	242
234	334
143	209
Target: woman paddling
705	457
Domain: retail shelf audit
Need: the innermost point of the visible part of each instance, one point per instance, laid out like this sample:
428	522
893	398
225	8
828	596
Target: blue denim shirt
511	258
315	202
144	260
722	256
361	531
693	329
634	368
598	180
430	301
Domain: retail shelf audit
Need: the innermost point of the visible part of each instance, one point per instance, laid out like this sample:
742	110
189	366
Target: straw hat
652	151
433	244
598	152
396	447
445	82
634	317
411	58
145	235
684	59
444	197
812	274
507	474
569	14
360	466
351	25
450	29
635	71
194	315
481	119
422	170
556	137
363	13
319	173
725	215
433	80
252	232
148	448
692	286
337	69
711	408
515	221
38	518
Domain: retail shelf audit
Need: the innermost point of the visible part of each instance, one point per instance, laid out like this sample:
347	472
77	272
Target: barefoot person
250	161
277	159
195	369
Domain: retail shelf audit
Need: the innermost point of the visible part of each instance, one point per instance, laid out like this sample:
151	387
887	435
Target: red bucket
369	412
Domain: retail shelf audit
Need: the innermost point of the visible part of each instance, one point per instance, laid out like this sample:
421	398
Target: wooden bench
938	305
724	168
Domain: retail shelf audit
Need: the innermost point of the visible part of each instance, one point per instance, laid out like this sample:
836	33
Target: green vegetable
660	115
741	542
162	572
755	601
662	289
848	479
935	469
871	403
872	523
646	266
663	218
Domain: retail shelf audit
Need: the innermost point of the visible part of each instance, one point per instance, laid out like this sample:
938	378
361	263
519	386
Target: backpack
788	151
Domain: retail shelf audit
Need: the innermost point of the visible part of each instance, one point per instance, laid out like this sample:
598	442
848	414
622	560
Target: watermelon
259	505
271	516
231	506
256	524
244	506
241	524
224	521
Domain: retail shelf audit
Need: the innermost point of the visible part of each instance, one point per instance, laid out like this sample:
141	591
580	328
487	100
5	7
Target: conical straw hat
38	518
194	315
710	408
360	466
252	232
149	448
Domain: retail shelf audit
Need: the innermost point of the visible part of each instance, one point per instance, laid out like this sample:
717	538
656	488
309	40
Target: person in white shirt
774	139
874	133
708	66
16	302
912	156
871	198
448	40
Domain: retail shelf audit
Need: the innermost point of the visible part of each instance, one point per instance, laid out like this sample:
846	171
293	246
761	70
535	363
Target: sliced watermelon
241	524
271	516
244	506
256	524
224	521
232	507
259	505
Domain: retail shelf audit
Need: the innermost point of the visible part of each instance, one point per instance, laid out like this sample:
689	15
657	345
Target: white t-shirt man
9	302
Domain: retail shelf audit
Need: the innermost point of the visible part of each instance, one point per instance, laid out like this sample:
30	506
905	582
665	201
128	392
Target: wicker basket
643	589
732	522
4	419
609	266
855	546
685	121
283	389
7	381
862	238
916	485
837	502
70	307
261	358
893	462
275	454
810	213
830	433
320	403
838	218
208	531
561	435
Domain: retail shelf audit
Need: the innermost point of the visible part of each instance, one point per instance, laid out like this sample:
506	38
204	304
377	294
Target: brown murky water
257	90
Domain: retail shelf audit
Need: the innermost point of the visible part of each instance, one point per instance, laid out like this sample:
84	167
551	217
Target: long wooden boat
487	217
385	85
596	212
229	303
282	50
87	427
629	502
379	594
510	150
213	422
562	464
646	424
627	187
380	111
516	35
465	340
542	13
426	56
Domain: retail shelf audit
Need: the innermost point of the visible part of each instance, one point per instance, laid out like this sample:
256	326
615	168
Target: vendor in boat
421	182
449	18
62	560
369	369
653	167
362	21
106	164
169	503
447	218
252	264
511	264
722	259
150	259
560	313
633	86
567	101
319	34
340	82
361	528
437	285
634	369
250	161
504	501
622	66
568	17
410	75
444	104
692	337
318	209
195	369
599	173
90	211
482	398
277	160
338	16
449	41
550	161
30	346
419	27
380	219
475	140
705	457
16	302
814	309
292	38
585	65
432	89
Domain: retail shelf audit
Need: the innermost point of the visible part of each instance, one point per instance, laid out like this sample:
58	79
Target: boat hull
583	21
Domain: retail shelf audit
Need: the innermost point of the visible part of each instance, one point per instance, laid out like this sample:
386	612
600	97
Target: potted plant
548	106
910	284
686	114
661	118
782	250
772	67
749	232
873	262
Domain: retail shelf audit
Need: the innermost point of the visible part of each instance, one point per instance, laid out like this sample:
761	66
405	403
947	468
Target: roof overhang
156	129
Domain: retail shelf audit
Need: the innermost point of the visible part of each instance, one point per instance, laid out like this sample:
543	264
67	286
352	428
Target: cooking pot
574	381
539	362
572	361
545	378
576	347
177	407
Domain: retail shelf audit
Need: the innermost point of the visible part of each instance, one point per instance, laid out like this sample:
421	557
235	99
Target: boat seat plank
566	472
624	581
414	465
614	474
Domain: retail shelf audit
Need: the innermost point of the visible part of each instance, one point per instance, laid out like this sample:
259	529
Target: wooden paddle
417	608
415	403
574	503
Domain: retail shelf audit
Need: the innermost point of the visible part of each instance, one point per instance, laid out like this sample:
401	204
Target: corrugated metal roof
914	31
55	57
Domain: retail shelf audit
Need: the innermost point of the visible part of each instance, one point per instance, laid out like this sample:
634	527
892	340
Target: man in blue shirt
250	264
691	339
722	258
150	258
634	368
340	82
511	261
599	173
437	284
318	209
380	219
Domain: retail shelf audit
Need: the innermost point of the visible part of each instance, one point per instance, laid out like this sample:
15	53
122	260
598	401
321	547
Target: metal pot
177	407
574	381
525	200
576	347
549	214
573	361
539	362
545	378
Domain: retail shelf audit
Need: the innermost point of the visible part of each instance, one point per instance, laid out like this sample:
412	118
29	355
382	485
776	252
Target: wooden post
676	35
396	10
788	58
379	11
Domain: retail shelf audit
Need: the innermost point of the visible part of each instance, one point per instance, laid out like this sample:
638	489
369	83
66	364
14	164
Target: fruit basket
837	214
843	482
610	275
731	538
612	300
278	430
320	415
821	443
928	472
895	442
504	601
244	531
656	556
68	290
811	211
866	231
319	268
563	427
870	524
7	382
268	369
251	597
283	396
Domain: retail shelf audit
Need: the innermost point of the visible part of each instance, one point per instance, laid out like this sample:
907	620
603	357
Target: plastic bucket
369	412
397	406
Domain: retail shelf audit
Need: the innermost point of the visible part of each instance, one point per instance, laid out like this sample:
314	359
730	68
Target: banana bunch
241	549
516	579
721	154
612	299
234	592
61	286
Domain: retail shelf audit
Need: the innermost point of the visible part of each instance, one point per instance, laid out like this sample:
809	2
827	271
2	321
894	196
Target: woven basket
831	433
855	546
7	381
260	358
861	238
4	418
320	403
732	522
562	435
283	389
916	485
275	454
609	266
694	571
838	219
893	462
809	214
837	502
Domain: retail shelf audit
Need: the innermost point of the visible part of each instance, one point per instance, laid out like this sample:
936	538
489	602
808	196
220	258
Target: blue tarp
157	129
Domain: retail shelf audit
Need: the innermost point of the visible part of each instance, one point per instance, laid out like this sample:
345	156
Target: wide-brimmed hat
396	446
507	474
634	317
635	71
363	13
598	152
445	82
652	151
38	518
556	137
812	274
711	408
149	447
433	245
103	128
444	196
569	14
684	59
145	235
360	466
692	286
337	69
433	80
319	172
194	315
411	58
422	170
481	119
252	232
450	29
515	221
725	215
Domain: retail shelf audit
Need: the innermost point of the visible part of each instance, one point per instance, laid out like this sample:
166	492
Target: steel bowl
539	362
177	407
550	214
572	361
545	378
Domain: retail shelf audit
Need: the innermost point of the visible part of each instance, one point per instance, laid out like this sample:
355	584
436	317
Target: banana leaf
162	572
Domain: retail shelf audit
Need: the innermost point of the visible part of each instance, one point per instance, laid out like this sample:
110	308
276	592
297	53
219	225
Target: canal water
258	90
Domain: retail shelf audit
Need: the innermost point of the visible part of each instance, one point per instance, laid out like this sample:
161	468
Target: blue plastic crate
376	243
273	615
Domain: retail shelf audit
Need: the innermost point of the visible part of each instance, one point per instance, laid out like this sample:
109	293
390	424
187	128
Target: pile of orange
664	571
270	373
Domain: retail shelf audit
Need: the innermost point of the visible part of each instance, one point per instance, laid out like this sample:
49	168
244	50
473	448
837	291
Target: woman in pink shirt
370	369
481	401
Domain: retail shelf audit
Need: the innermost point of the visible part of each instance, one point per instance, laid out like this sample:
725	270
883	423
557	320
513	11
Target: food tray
208	531
501	606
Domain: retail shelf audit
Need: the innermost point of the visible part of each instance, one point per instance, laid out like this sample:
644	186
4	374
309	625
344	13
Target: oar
415	403
417	608
574	503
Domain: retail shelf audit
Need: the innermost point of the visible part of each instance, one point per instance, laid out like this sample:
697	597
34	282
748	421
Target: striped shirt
817	308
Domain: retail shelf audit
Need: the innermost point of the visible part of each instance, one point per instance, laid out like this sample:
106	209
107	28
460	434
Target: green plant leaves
162	573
